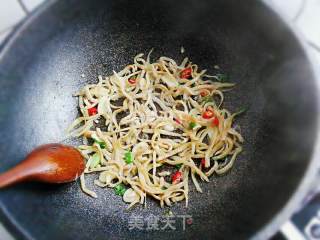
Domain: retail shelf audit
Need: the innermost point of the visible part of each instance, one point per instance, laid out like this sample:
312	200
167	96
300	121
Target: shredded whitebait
151	125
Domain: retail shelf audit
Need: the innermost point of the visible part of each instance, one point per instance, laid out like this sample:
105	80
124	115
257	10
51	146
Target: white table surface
304	13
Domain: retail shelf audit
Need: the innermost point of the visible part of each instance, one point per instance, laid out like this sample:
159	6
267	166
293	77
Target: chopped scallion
120	189
128	158
192	125
178	166
98	140
101	144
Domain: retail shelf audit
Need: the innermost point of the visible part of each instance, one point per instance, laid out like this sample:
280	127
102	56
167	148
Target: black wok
41	66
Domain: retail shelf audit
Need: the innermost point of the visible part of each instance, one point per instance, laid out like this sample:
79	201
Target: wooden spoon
51	163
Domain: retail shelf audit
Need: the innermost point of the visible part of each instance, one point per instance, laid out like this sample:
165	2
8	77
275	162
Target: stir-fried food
150	127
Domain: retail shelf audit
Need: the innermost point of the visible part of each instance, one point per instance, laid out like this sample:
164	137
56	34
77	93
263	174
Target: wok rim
295	200
310	174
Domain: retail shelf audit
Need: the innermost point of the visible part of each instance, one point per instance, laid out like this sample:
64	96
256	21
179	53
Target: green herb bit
222	77
95	160
120	189
98	140
192	125
164	188
178	166
101	144
128	158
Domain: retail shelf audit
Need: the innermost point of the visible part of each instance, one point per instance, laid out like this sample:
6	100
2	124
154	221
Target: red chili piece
215	121
132	80
92	111
177	121
203	162
186	73
208	114
176	177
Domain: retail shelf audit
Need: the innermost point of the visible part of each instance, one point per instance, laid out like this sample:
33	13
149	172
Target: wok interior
249	43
